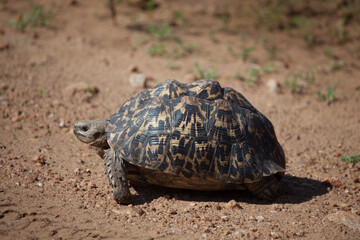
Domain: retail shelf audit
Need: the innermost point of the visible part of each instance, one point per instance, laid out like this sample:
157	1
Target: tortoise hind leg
265	188
116	172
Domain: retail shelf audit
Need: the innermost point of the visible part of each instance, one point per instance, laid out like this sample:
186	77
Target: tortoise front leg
116	172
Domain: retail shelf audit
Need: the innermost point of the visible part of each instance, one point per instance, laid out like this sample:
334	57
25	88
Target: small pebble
232	204
133	68
3	86
173	212
40	159
58	178
61	123
273	86
137	80
334	182
216	206
275	235
259	218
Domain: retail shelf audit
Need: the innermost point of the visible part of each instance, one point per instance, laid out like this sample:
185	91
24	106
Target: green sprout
162	32
251	78
352	159
150	5
232	52
37	18
157	49
137	42
88	91
328	51
208	74
268	68
247	51
292	83
41	91
330	95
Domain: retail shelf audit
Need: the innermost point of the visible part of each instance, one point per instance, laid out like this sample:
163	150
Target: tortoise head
92	132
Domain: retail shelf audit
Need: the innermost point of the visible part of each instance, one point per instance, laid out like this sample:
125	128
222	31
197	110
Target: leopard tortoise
196	135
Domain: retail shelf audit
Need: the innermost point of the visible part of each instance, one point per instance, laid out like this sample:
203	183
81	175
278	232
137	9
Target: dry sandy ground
53	187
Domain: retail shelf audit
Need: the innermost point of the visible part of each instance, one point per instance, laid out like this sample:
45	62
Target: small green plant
252	76
88	91
352	159
232	52
310	39
329	96
180	17
247	51
357	88
339	32
137	43
208	74
299	80
172	66
1	94
157	49
183	50
21	23
268	68
239	76
328	51
212	36
299	22
150	5
224	16
333	66
292	83
41	91
37	18
270	48
162	32
309	77
111	5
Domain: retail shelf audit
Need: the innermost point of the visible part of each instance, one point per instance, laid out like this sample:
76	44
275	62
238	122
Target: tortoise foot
122	195
266	188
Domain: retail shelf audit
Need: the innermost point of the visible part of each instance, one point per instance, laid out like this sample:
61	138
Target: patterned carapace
196	130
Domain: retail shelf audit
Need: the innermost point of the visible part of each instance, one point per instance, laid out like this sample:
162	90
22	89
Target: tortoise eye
84	128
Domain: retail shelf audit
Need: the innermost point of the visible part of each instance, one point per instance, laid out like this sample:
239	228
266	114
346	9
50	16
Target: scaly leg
116	172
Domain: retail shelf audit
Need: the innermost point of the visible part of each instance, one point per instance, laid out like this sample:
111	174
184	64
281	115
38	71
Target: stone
137	80
133	68
273	86
232	204
259	218
3	86
334	182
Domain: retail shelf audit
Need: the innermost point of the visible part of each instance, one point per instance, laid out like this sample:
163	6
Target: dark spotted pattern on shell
196	130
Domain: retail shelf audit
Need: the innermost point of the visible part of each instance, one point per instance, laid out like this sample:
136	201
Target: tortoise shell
197	130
